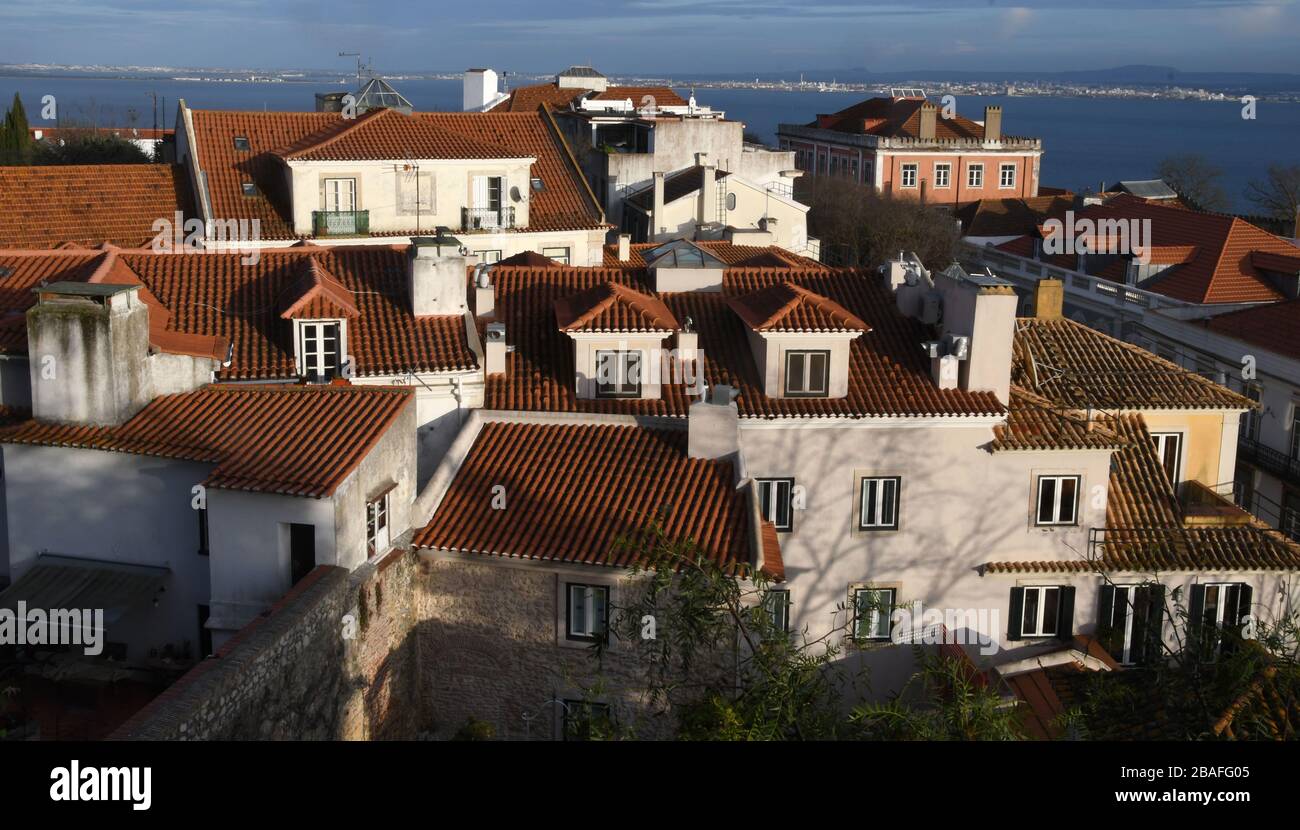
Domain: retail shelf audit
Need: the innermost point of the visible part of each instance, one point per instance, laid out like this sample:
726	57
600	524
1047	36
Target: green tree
15	135
89	147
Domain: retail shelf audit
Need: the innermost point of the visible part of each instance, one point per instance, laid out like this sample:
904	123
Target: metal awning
66	582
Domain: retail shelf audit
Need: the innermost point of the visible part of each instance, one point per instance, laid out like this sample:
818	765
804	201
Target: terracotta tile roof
1034	423
1078	367
1145	529
316	294
754	256
792	308
1275	327
1221	259
529	98
888	372
564	203
216	295
86	204
579	493
386	134
1010	217
615	308
897	118
290	440
531	259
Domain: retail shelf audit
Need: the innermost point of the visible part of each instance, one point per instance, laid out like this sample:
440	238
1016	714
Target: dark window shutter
1147	643
1106	631
1245	602
1016	613
1065	619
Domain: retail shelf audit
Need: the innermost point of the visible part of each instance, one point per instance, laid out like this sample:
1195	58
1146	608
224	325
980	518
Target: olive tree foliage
859	227
720	662
1207	681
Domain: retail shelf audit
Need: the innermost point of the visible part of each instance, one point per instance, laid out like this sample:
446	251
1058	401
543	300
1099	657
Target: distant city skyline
663	36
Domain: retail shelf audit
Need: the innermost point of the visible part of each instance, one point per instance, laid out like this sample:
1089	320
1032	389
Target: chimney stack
708	189
479	90
495	349
484	292
88	352
1049	299
624	247
993	123
929	115
438	273
656	226
713	425
981	309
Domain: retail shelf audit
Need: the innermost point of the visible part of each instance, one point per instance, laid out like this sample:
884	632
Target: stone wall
334	659
492	648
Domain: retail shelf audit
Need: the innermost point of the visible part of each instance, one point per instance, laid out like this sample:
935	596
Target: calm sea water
1086	140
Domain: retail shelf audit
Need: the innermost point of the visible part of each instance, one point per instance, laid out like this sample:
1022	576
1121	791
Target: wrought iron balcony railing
487	219
340	222
1268	459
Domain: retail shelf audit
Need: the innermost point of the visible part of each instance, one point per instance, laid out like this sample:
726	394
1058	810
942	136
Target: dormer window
320	350
807	374
618	374
241	143
248	188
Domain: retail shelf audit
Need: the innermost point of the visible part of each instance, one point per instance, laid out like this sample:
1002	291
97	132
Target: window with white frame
320	350
776	603
583	720
377	535
1217	608
488	257
1169	449
618	374
1249	427
1295	431
942	175
340	194
872	608
557	254
776	501
586	611
1058	500
975	175
909	175
1041	610
1006	176
1130	622
878	508
807	374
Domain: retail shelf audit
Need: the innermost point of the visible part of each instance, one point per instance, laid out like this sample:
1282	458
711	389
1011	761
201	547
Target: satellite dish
515	195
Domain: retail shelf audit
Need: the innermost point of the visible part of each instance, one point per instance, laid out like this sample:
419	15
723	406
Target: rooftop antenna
356	55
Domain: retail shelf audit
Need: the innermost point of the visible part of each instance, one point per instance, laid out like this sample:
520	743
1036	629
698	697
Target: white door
340	194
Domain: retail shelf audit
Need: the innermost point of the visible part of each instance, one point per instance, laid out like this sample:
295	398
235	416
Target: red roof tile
1275	327
791	308
613	307
585	494
564	203
385	134
290	440
888	373
1215	258
897	118
86	204
316	294
217	295
752	256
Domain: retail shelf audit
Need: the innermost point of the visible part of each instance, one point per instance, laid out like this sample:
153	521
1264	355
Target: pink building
903	145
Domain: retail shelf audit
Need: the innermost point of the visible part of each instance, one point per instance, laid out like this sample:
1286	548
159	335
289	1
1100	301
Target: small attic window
538	185
241	143
5	271
249	188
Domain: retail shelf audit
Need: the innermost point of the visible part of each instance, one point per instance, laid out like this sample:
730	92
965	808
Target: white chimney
624	247
713	425
981	308
495	349
656	221
484	292
438	273
480	90
88	353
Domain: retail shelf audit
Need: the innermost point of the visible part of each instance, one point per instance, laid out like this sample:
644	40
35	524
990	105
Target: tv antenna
360	65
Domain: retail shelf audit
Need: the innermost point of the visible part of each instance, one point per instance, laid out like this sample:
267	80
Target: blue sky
660	36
